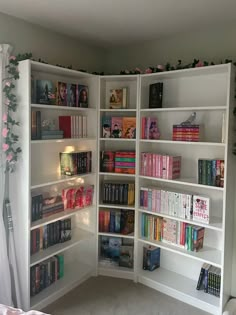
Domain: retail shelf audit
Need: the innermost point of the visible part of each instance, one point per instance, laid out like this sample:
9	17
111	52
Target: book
197	237
107	161
152	131
129	127
151	257
45	92
68	163
83	95
200	284
106	126
126	256
71	95
116	127
61	93
36	131
155	95
201	209
118	98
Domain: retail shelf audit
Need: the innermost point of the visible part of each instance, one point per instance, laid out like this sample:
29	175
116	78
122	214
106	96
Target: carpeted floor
109	296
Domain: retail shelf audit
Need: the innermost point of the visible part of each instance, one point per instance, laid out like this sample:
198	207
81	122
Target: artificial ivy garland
10	139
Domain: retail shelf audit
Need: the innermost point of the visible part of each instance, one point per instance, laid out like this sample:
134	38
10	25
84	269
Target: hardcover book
106	126
151	257
45	92
155	95
118	98
152	131
126	256
129	127
61	93
68	163
83	96
107	161
71	95
201	209
116	127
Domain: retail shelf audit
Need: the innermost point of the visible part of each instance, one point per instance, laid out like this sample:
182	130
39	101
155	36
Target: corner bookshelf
38	172
108	83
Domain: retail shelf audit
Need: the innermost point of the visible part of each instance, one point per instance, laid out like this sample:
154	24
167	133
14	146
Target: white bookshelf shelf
59	216
117	139
105	205
183	181
216	223
206	254
122	110
179	287
177	109
189	143
78	236
116	235
65	108
66	141
57	179
116	174
105	269
74	274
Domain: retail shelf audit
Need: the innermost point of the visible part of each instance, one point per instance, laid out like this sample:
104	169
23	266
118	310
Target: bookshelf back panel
107	85
189	155
210	121
45	160
83	252
188	91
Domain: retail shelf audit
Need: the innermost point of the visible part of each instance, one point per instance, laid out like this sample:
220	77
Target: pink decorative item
7	102
12	58
8	83
148	70
4	118
199	64
5	147
160	67
9	157
4	132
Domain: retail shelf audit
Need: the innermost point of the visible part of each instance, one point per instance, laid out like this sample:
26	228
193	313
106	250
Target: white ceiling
111	22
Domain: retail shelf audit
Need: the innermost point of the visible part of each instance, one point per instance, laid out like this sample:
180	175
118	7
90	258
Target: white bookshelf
209	91
38	172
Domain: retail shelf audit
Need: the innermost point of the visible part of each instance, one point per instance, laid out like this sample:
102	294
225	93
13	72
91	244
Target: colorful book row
75	163
173	232
49	235
160	166
186	133
209	279
74	126
180	205
118	162
150	128
211	172
46	273
119	127
116	221
120	194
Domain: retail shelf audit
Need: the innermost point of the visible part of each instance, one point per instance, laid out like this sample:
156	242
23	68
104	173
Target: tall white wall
211	44
50	46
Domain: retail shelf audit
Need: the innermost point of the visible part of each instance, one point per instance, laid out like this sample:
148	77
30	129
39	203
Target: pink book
158	201
160	161
143	135
153	200
154	165
149	164
164	167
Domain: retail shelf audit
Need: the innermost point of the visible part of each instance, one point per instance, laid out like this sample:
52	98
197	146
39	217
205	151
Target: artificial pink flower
5	147
148	70
199	64
9	157
4	132
8	83
160	67
7	101
4	118
138	70
12	58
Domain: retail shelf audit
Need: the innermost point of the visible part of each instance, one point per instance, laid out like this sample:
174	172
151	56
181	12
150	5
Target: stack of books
47	272
125	162
211	172
160	166
173	232
209	279
52	134
186	133
120	194
116	221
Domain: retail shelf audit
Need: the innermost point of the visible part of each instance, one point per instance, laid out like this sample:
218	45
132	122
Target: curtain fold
5	278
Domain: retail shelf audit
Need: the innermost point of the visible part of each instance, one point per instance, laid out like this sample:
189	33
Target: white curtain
5	279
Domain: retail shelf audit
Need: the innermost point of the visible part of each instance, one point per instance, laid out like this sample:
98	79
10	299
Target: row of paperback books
211	172
118	162
75	163
120	194
74	126
151	257
46	273
186	133
173	232
50	234
43	207
78	197
182	205
209	279
160	166
116	221
150	128
117	251
48	92
119	127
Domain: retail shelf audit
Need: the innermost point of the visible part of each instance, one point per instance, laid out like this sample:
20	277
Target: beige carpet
109	296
